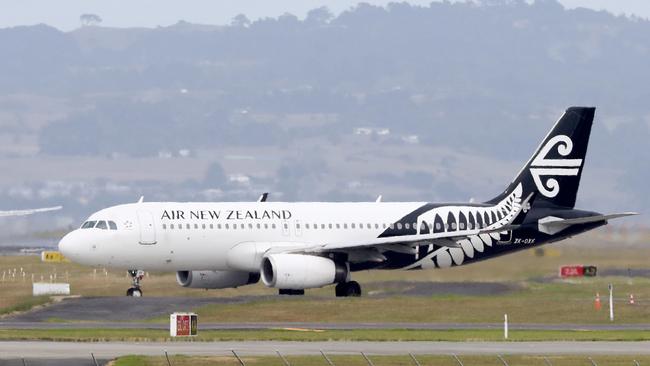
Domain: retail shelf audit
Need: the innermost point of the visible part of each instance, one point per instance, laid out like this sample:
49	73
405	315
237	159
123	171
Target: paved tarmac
9	324
61	350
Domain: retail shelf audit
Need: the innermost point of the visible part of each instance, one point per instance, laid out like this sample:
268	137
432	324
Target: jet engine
215	279
299	271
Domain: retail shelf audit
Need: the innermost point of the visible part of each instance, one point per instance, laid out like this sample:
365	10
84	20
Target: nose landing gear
136	277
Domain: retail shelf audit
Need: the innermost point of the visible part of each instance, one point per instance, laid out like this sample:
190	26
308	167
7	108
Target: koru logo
544	167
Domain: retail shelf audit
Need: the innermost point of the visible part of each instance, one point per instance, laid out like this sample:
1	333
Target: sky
64	14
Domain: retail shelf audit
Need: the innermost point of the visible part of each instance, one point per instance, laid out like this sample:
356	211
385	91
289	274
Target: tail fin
555	169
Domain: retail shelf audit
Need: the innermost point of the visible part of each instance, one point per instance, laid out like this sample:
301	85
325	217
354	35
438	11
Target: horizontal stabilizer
589	219
551	225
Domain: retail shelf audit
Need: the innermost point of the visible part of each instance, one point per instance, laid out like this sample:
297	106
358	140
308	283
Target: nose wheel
136	277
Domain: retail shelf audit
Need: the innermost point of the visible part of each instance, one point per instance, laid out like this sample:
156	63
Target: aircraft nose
69	245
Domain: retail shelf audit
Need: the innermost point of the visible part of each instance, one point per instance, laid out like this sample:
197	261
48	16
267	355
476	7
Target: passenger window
399	226
266	226
250	226
203	226
352	225
112	225
330	225
212	226
392	226
88	225
164	226
315	226
376	226
407	225
171	226
369	226
196	226
259	226
297	226
272	226
462	226
187	226
286	226
226	226
101	225
242	226
306	226
322	226
345	226
338	226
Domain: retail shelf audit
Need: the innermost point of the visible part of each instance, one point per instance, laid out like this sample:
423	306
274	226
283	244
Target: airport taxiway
58	350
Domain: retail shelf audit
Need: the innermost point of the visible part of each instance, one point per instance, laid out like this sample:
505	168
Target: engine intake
215	279
299	271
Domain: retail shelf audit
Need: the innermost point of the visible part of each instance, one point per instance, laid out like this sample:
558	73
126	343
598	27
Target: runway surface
59	350
8	324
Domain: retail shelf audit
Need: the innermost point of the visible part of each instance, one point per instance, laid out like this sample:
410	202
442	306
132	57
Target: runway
60	350
8	324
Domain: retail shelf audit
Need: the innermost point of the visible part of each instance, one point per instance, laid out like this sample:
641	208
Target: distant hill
483	80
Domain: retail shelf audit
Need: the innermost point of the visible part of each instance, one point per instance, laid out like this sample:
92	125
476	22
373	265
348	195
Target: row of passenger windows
398	226
101	224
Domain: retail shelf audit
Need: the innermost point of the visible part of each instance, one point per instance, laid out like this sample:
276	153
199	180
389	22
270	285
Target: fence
328	361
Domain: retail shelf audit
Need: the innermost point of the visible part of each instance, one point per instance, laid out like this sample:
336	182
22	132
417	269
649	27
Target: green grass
404	360
25	304
478	335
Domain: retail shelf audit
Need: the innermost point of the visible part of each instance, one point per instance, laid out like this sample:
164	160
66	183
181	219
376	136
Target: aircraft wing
28	212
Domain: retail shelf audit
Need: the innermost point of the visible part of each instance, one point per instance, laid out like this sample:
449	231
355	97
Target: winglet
263	197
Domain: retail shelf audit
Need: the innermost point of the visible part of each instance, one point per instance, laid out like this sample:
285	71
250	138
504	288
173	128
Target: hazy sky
64	14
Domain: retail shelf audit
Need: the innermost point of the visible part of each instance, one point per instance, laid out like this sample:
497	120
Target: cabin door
147	229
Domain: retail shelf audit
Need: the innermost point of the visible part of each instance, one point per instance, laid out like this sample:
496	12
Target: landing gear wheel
134	292
136	277
348	289
291	292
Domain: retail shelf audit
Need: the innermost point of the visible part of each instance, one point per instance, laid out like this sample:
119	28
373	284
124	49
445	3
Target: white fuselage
202	236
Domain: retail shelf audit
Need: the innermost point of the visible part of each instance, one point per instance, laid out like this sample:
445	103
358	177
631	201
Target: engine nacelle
299	271
215	279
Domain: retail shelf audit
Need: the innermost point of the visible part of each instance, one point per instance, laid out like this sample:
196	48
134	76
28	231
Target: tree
320	15
90	19
240	20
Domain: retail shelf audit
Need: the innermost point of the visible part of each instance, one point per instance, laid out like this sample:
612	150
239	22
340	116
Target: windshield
102	225
88	225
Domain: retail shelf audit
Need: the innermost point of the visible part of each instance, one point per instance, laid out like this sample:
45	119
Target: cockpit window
112	225
88	225
101	225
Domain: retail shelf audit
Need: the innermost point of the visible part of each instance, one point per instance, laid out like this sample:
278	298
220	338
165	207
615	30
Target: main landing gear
136	277
348	289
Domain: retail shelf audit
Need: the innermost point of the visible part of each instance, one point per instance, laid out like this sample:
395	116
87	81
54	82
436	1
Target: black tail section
554	171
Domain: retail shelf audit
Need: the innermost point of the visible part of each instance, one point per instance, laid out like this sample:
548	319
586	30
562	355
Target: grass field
538	296
424	360
465	335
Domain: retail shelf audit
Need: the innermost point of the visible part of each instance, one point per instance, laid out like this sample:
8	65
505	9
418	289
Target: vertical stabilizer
554	171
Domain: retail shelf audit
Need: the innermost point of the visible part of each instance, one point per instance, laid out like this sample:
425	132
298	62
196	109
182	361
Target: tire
353	289
291	292
348	289
134	292
341	289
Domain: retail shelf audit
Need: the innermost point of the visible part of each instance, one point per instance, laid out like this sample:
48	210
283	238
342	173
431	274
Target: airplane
293	246
30	211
